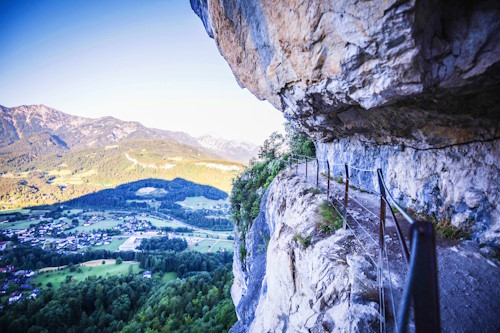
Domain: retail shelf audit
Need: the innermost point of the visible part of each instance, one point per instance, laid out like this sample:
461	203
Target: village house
34	293
3	245
14	297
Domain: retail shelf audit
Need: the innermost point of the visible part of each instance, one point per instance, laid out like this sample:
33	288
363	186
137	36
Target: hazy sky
148	61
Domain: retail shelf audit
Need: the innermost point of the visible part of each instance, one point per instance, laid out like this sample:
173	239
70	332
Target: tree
271	148
119	260
299	143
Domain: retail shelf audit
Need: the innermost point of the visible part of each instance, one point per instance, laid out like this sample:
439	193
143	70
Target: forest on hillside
197	301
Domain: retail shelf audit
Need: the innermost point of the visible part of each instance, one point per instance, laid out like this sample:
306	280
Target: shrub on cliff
299	143
249	187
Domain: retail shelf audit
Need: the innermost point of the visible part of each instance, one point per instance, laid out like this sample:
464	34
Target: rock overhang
422	73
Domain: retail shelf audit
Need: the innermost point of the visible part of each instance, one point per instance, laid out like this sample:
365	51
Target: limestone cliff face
285	287
460	184
425	72
411	86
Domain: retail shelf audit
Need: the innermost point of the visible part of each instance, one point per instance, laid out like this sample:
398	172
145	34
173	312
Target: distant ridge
19	126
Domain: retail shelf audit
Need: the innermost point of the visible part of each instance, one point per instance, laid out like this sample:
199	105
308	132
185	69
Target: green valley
63	176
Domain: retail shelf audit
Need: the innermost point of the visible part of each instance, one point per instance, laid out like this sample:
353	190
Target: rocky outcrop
460	184
249	268
324	287
421	76
425	73
411	87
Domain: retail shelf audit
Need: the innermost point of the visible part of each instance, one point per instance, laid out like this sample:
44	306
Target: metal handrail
401	210
404	306
421	260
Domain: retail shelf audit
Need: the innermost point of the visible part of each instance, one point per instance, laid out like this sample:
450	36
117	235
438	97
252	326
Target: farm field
81	272
66	176
72	211
166	277
202	246
160	223
13	211
201	203
226	245
24	224
212	234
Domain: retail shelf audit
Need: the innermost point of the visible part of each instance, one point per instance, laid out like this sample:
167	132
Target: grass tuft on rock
304	241
445	229
332	220
313	190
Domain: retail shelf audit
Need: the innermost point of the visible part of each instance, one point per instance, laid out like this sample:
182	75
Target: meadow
228	246
201	203
78	273
104	224
202	246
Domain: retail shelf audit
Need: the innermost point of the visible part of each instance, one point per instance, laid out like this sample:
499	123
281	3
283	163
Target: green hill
29	179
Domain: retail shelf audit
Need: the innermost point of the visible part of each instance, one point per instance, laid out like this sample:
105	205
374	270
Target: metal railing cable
360	169
388	195
364	207
351	215
380	265
355	236
421	287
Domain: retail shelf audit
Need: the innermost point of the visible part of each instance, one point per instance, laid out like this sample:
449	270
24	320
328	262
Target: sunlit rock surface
421	76
425	73
325	287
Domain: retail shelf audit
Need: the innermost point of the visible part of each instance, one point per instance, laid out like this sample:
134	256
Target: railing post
382	201
401	239
381	249
346	195
306	169
317	173
328	188
425	292
296	165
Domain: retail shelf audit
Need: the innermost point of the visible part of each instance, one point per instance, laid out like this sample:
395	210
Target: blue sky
147	61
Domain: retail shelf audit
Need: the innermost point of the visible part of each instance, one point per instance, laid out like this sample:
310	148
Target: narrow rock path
469	283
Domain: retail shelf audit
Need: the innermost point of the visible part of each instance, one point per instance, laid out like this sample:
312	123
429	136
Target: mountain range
47	156
26	126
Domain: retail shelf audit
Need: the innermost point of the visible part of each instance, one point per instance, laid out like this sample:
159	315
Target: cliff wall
422	72
458	184
283	286
422	76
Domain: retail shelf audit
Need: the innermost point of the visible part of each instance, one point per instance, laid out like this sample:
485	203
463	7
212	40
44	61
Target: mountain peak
26	121
236	150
